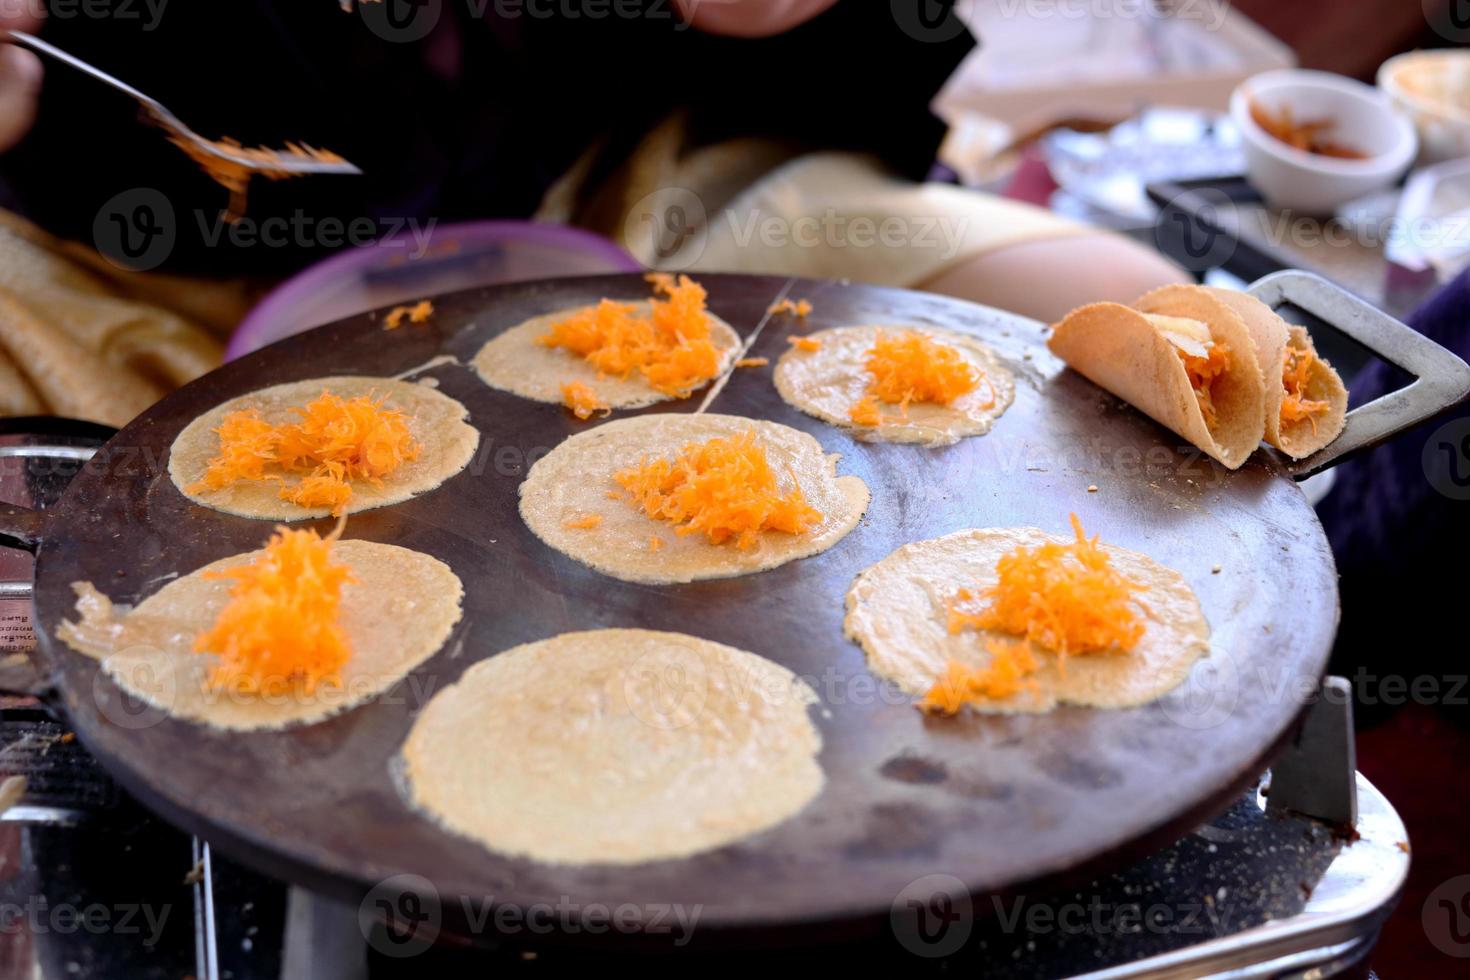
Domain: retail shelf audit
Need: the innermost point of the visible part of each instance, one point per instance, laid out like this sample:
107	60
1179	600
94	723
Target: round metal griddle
1001	803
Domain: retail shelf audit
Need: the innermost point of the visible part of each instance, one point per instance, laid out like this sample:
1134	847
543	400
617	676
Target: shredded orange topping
805	343
1296	374
335	442
584	523
865	411
799	308
912	367
655	543
281	629
1067	598
723	488
235	176
417	313
1003	677
1203	373
582	400
669	346
748	362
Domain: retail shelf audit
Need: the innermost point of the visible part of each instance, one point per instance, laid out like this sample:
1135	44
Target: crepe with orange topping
1185	359
897	383
256	455
614	354
721	495
1306	400
396	609
918	615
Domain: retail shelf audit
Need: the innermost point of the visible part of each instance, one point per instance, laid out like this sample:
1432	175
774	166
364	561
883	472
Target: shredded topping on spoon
723	488
335	442
281	629
669	345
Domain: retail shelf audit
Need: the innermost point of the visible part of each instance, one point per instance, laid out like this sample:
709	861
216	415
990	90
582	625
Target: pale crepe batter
615	746
437	423
575	481
514	362
829	381
397	613
896	611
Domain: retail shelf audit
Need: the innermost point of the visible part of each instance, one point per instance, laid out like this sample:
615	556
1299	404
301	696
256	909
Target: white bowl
1293	179
1422	84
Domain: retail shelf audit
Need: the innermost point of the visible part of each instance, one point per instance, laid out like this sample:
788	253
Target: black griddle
1007	805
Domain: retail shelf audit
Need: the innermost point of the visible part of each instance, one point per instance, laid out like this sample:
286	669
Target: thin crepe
615	746
829	381
515	362
896	610
575	481
1271	336
397	612
437	423
1120	349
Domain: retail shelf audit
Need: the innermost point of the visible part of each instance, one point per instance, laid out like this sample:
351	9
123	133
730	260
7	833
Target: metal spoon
285	163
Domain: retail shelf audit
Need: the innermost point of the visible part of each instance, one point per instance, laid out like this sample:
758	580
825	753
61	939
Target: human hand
20	71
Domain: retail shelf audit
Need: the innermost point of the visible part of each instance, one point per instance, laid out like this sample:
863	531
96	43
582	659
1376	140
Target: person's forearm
750	18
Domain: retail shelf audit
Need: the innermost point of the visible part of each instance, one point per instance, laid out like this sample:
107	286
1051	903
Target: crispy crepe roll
1192	369
1307	409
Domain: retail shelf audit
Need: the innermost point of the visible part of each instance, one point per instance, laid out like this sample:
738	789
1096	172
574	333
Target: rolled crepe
1136	355
1295	434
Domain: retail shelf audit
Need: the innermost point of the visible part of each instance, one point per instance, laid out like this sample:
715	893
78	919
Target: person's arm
750	18
20	73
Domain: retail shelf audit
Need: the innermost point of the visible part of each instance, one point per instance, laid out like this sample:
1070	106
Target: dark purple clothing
473	120
1399	522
